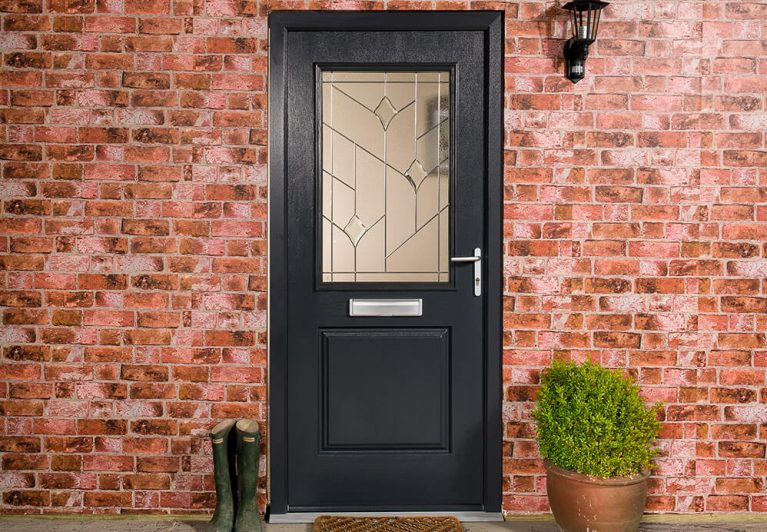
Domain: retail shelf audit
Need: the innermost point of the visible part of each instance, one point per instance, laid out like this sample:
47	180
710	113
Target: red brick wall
134	218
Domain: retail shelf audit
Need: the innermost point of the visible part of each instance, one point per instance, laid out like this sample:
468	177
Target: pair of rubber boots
236	479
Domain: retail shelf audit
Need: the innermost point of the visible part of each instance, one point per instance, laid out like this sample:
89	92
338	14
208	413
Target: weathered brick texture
133	247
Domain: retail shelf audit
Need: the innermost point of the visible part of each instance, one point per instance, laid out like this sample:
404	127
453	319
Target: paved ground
70	524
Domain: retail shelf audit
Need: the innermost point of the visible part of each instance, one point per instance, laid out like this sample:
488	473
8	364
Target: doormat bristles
329	523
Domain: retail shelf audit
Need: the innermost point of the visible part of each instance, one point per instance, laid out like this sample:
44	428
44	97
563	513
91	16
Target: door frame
281	23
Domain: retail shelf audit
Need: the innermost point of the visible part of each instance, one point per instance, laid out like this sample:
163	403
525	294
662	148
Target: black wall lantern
584	16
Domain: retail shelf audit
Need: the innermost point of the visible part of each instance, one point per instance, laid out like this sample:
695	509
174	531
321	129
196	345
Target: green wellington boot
248	440
223	470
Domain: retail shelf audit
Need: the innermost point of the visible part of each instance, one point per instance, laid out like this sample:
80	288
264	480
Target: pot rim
588	479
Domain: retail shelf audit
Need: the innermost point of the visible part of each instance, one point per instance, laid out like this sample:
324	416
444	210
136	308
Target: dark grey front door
389	236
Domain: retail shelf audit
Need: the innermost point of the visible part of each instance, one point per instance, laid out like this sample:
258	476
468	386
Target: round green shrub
591	420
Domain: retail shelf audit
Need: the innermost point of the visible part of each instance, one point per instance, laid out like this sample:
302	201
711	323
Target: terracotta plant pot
581	503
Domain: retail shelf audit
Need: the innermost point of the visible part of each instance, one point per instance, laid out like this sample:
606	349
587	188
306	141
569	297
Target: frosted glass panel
385	176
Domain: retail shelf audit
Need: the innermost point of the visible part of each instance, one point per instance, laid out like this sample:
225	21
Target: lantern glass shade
584	16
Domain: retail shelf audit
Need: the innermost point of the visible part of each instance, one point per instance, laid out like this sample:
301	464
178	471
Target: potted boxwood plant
596	437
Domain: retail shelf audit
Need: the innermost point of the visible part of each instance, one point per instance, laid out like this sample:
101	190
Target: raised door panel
385	390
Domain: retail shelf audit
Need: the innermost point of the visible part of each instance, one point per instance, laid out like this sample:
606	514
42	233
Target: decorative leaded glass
385	176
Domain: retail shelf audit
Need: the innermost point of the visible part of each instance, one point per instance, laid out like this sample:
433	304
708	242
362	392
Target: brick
155	282
611	322
22	22
20	444
735	250
745	158
739	485
241	338
25	317
71	24
70	299
147	481
25	461
109	172
237	265
158	464
107	498
68	444
147	7
12	79
109	61
147	337
22	263
68	481
606	101
741	449
155	427
146	191
161	26
32	98
226	45
745	84
144	373
618	194
156	43
154	99
152	391
20	298
99	426
600	285
31	391
617	340
103	135
732	212
533	248
111	318
239	228
88	281
660	286
27	352
28	206
27	498
729	358
145	227
107	354
159	319
135	221
742	195
693	413
741	340
31	245
23	170
746	377
72	6
108	463
112	24
744	304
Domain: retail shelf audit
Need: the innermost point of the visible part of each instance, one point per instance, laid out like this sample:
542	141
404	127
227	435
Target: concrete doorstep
544	523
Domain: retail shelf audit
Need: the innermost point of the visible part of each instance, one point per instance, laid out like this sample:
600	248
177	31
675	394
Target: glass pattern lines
385	176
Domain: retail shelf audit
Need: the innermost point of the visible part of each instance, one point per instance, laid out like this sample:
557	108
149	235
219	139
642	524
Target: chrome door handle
477	260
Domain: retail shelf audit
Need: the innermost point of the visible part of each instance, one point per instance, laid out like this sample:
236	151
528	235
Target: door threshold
309	517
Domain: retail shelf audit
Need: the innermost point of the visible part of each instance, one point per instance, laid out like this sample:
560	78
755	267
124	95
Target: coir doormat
329	523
